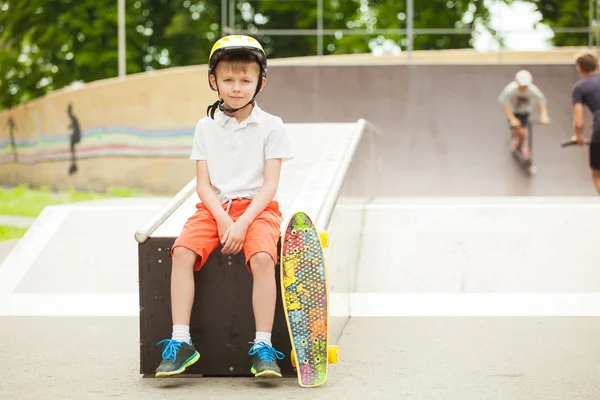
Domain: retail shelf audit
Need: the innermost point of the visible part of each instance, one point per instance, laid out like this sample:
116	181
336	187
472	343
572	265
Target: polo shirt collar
254	116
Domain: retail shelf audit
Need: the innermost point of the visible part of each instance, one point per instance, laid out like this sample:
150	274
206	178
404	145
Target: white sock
263	337
181	333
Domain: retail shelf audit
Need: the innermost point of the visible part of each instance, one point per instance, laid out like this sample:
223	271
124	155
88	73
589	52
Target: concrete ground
381	358
459	357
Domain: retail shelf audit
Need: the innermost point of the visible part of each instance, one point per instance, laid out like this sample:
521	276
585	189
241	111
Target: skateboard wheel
293	359
333	354
324	238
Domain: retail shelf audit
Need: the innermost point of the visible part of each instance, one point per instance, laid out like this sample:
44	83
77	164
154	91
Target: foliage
49	44
359	15
565	14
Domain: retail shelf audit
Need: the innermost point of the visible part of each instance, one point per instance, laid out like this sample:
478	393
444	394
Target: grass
29	202
11	232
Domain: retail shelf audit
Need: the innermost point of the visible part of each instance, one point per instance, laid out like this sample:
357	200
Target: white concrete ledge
474	304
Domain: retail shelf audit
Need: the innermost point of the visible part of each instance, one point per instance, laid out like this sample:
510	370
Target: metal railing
228	8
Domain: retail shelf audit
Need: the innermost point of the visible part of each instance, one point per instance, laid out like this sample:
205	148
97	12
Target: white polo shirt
236	152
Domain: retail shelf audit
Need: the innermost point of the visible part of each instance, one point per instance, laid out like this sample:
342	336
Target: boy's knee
261	261
183	256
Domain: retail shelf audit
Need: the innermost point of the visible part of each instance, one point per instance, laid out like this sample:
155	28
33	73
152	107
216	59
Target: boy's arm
511	116
233	239
503	99
203	186
266	192
508	112
542	103
578	117
277	150
543	113
206	194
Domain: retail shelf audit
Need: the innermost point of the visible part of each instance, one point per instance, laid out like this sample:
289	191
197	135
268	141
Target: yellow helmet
237	43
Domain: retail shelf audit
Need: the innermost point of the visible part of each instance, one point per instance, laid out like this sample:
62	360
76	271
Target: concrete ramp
478	257
443	131
77	260
80	259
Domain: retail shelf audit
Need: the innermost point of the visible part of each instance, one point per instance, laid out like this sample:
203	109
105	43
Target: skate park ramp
56	270
58	281
464	278
443	131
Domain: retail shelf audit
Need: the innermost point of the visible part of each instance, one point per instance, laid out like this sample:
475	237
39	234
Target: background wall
138	131
132	132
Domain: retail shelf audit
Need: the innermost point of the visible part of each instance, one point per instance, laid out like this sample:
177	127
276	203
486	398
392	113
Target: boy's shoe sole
266	374
190	361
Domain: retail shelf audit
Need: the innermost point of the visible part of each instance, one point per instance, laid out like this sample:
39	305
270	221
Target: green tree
565	14
359	15
49	44
291	14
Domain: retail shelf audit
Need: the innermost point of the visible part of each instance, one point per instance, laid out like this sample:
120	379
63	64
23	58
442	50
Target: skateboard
305	292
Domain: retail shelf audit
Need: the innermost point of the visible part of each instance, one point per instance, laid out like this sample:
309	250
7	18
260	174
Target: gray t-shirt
587	92
521	103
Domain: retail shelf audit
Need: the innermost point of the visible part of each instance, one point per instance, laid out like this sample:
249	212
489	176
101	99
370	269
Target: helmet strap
220	103
232	110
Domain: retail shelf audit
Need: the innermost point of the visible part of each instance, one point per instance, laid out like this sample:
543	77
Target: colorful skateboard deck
305	293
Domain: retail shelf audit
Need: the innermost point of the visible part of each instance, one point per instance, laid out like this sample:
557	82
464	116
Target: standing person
238	149
517	100
586	92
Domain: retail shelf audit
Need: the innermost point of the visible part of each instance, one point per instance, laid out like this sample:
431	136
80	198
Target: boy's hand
579	139
544	119
233	240
514	122
223	226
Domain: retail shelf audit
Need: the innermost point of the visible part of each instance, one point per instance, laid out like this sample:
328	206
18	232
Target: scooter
527	162
573	142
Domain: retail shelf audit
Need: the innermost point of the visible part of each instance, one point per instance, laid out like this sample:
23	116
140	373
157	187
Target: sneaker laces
265	352
170	349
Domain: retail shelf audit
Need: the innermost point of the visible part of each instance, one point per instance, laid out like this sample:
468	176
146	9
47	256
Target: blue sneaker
176	357
264	360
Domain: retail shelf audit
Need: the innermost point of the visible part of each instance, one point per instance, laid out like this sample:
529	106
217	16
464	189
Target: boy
238	153
587	92
516	99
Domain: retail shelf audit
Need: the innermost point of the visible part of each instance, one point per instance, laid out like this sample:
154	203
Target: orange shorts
201	235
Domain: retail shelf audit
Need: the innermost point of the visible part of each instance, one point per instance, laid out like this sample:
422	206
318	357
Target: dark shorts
595	156
523	118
